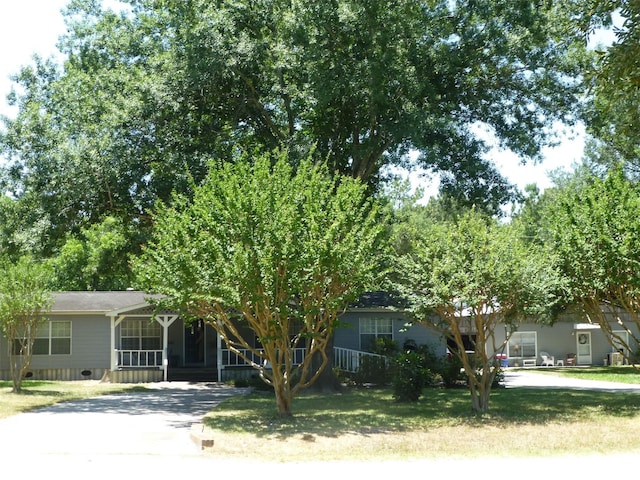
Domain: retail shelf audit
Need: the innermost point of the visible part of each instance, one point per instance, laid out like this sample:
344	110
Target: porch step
192	374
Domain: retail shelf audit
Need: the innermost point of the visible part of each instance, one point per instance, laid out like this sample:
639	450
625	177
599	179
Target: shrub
374	370
410	377
452	373
384	346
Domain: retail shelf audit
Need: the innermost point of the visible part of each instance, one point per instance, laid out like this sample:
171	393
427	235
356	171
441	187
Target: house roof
379	300
98	302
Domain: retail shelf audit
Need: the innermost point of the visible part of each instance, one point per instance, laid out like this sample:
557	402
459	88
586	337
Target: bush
452	373
410	377
433	363
374	370
384	346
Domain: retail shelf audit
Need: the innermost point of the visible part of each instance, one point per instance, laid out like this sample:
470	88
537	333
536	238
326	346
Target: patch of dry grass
37	394
367	425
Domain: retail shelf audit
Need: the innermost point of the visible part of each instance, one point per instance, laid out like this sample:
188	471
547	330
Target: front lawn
362	424
621	374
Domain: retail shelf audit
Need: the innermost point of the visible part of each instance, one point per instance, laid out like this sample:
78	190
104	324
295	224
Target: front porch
231	365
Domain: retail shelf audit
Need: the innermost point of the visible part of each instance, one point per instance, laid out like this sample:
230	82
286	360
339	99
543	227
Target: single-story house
95	335
571	340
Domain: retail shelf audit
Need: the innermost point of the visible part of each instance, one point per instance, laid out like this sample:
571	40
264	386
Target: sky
30	27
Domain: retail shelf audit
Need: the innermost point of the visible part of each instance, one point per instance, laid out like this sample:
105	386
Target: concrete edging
200	437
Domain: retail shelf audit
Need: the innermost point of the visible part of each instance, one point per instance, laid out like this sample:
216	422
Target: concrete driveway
141	432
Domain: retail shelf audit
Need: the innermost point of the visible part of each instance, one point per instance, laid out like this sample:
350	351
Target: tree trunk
327	382
17	373
283	397
480	392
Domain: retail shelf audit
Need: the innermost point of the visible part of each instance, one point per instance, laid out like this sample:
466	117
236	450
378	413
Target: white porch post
165	351
114	359
165	321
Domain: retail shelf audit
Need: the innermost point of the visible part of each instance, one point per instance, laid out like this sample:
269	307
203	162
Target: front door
194	342
583	340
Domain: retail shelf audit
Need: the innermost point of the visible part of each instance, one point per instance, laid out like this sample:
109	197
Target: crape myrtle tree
469	276
595	232
271	252
142	98
25	299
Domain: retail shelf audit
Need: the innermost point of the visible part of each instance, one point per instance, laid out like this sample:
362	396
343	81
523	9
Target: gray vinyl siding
90	344
348	334
561	338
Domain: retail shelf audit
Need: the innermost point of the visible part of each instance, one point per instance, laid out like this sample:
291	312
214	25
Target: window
523	345
140	335
53	338
619	345
372	329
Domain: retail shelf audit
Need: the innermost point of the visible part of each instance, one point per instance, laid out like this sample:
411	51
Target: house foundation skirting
103	374
135	375
59	374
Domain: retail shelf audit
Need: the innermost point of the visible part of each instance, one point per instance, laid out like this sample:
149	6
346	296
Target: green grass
38	394
621	374
363	424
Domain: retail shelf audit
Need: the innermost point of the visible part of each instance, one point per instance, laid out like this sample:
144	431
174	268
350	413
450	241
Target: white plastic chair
547	360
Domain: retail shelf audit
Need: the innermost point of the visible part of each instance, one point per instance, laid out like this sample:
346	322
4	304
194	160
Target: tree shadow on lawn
373	411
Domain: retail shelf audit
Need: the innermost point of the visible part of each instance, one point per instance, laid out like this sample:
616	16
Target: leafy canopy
466	277
146	96
269	251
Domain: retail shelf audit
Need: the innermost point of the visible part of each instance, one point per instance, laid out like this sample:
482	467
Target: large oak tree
145	96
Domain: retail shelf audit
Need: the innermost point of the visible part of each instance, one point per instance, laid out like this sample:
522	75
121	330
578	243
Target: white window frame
140	329
375	327
50	334
512	352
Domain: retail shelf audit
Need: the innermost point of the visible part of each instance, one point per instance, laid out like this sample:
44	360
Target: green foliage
410	377
373	370
146	97
452	372
615	80
384	346
283	249
595	232
96	259
24	300
470	275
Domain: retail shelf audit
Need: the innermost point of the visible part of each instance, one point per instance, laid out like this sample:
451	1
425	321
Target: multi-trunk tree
469	276
25	299
269	255
594	229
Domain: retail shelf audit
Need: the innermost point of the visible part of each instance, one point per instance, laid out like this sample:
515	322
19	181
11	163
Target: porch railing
349	360
232	359
345	359
138	358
